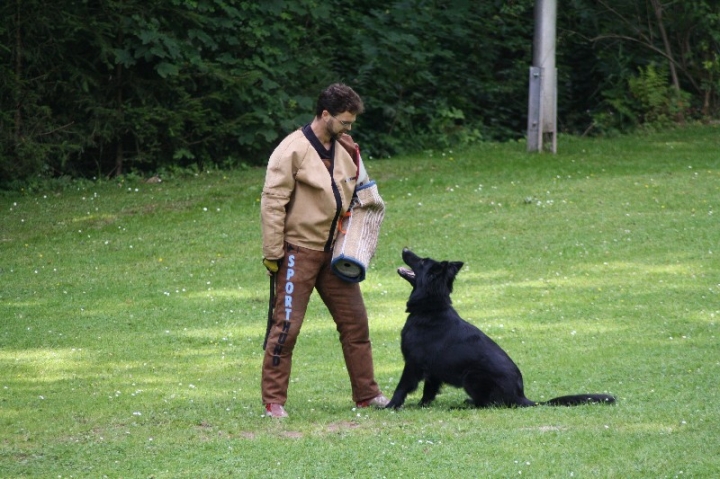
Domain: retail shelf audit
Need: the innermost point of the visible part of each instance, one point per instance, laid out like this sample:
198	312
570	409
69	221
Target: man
309	185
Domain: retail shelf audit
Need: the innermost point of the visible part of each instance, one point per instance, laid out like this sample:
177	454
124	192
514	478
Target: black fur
440	347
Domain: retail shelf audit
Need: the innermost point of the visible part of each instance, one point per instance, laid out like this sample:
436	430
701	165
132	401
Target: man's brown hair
338	98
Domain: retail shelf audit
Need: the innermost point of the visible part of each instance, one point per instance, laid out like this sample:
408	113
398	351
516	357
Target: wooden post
542	97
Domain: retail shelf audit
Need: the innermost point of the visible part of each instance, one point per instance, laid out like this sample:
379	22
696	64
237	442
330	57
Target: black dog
440	347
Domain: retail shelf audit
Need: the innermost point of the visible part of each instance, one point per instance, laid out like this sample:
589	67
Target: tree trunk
120	151
18	76
657	6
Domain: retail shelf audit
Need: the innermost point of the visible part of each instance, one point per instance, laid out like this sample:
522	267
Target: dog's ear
455	266
451	269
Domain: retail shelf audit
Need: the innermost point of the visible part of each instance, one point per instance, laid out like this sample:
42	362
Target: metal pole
534	134
542	103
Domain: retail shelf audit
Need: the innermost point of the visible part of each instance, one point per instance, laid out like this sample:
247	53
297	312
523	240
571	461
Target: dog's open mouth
407	273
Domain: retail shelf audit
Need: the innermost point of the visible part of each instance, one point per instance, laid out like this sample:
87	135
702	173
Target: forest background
92	89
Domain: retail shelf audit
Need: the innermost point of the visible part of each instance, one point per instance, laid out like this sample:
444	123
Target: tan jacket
300	202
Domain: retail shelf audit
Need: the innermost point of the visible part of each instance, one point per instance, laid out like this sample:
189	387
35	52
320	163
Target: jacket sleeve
276	194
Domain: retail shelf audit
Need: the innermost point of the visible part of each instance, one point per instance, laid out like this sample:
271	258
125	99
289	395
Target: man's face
338	124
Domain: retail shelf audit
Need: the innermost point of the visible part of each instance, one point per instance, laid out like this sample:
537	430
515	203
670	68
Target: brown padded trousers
301	271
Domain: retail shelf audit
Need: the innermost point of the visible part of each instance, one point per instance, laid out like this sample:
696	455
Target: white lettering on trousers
289	289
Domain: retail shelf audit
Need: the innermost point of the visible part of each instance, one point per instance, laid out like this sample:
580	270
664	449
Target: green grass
132	317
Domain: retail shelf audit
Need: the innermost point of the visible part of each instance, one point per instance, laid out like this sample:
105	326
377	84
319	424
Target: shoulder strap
352	148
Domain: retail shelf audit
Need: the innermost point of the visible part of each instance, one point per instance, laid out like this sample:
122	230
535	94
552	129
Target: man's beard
334	135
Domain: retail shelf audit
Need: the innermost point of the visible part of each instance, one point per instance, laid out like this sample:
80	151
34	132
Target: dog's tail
578	399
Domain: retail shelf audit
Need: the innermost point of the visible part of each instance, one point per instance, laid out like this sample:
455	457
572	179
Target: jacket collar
324	153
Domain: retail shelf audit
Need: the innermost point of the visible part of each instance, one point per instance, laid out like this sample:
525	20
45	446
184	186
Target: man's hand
272	265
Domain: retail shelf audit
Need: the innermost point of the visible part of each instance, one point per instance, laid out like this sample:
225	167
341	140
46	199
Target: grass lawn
132	316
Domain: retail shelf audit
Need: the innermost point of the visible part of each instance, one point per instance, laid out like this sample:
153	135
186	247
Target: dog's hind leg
478	390
408	383
497	397
430	390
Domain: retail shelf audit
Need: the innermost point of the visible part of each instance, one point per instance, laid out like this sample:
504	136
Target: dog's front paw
393	404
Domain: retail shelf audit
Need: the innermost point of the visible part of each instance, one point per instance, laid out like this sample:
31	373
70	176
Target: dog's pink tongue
406	272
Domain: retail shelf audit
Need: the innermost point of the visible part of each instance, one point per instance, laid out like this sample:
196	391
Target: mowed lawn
132	316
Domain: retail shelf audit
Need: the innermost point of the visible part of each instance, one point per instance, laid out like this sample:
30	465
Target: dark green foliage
100	88
438	73
616	49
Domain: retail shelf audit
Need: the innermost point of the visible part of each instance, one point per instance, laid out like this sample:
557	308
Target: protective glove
272	265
